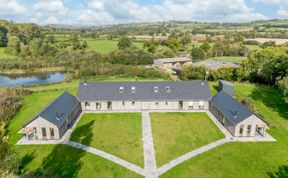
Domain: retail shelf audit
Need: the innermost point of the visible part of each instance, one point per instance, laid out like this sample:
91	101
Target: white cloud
115	11
54	5
11	7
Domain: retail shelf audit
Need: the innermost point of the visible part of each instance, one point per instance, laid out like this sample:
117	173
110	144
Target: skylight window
156	89
168	89
121	90
133	90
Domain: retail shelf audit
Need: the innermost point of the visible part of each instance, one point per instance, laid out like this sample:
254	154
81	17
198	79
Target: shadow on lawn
65	161
272	98
281	173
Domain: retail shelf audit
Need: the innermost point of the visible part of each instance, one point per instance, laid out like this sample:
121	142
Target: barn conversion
54	120
59	116
96	96
238	120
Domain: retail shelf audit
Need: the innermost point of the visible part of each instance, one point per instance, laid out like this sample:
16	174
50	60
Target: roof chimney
85	83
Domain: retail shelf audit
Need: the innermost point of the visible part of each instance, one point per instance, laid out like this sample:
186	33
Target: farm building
215	64
238	120
226	86
54	120
101	96
172	63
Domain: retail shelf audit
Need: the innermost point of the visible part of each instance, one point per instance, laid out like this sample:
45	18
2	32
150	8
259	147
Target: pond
33	79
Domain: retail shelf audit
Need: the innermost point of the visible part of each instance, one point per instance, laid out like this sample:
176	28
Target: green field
175	134
116	133
249	160
40	158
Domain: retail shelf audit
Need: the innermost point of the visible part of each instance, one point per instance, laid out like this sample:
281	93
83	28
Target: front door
109	105
180	105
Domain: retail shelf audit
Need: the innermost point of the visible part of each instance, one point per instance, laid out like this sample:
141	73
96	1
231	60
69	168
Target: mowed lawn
175	134
50	160
249	160
116	133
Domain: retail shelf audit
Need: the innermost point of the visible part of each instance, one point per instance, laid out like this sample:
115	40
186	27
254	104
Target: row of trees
267	66
221	48
10	103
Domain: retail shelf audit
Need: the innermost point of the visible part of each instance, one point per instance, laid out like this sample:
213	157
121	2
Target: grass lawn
175	134
116	133
246	159
237	59
51	158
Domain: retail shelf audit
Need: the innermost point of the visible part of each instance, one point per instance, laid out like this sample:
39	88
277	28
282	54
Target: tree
186	39
192	73
151	46
284	86
206	46
51	39
13	46
174	44
3	36
75	42
198	54
124	43
84	44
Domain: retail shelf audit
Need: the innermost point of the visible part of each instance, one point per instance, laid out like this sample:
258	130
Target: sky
104	12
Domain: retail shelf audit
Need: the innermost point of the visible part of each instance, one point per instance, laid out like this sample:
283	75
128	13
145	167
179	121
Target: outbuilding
54	120
238	120
226	86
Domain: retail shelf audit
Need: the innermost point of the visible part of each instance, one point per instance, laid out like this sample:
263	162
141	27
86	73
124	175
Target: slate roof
226	82
228	106
62	107
168	60
110	91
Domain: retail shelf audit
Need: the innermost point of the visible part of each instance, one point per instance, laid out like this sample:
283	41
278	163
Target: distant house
226	86
102	96
215	64
54	120
172	63
239	120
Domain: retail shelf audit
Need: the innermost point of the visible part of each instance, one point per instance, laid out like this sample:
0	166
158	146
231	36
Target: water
34	79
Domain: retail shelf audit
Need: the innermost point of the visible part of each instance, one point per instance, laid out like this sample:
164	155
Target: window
166	103
249	130
52	134
201	105
157	103
123	103
98	105
44	134
168	90
190	105
241	130
133	90
109	104
156	89
180	105
121	90
34	130
87	105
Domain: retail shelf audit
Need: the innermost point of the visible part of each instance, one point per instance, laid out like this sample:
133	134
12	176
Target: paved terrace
150	170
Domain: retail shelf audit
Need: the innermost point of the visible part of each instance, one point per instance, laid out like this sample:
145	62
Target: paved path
107	156
190	155
149	153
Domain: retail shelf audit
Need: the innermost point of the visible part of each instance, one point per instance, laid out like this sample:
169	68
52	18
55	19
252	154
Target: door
44	134
180	105
109	105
